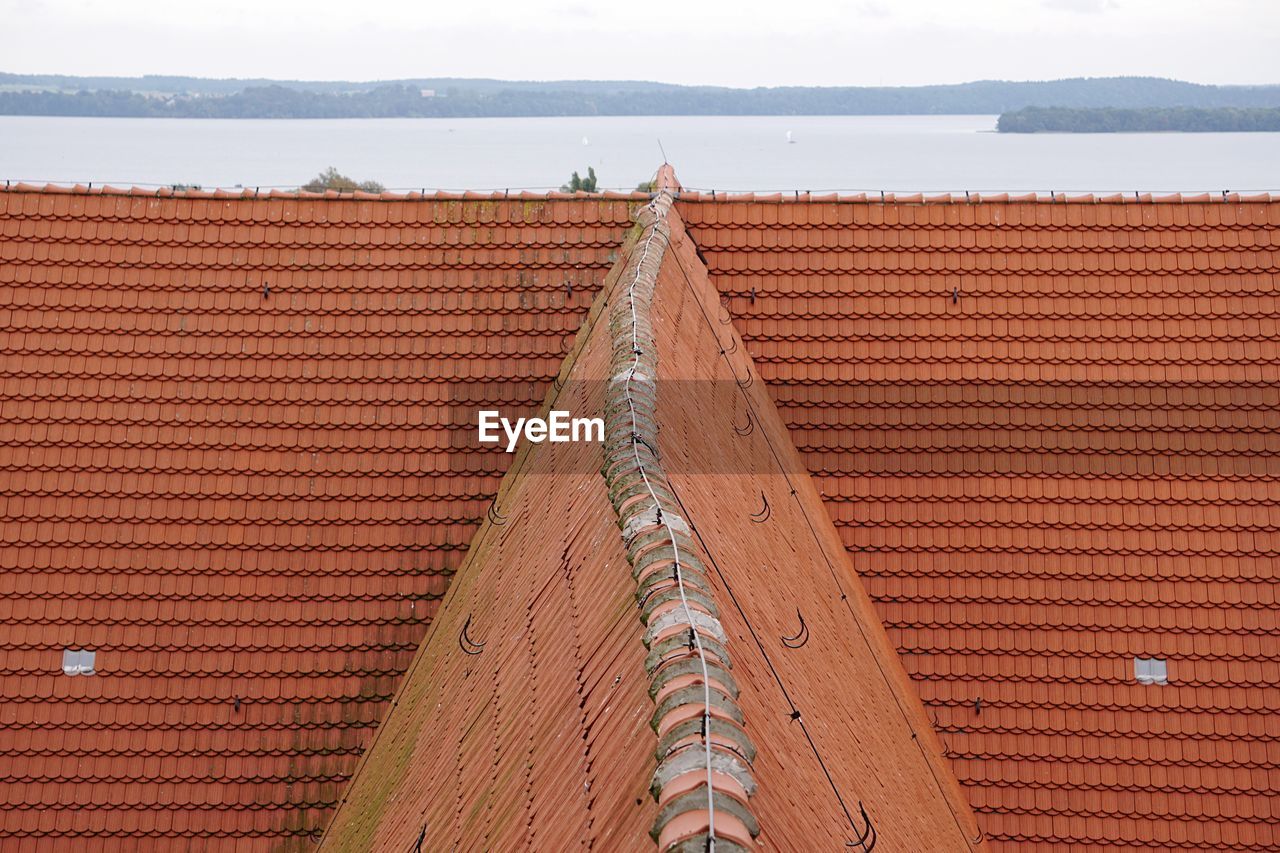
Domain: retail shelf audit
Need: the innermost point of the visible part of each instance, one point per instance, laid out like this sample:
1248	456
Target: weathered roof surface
552	747
1047	434
523	721
227	468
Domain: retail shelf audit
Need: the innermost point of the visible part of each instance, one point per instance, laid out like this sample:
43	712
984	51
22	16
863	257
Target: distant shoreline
191	97
1149	120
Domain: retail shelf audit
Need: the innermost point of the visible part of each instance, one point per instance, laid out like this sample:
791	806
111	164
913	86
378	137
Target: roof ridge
665	179
968	198
268	193
703	781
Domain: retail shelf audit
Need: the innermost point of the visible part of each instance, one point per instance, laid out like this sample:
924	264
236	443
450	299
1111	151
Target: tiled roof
227	468
525	722
1048	436
1044	428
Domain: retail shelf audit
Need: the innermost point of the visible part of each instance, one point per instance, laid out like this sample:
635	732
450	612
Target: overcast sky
725	42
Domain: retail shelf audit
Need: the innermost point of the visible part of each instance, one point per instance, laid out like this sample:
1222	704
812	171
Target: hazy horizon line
607	80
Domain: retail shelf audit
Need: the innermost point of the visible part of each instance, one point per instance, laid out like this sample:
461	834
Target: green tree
577	183
332	179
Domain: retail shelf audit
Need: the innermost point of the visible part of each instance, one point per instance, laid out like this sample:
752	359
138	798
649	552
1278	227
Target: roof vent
78	661
1151	670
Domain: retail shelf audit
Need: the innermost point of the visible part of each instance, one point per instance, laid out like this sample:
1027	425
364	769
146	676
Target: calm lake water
924	153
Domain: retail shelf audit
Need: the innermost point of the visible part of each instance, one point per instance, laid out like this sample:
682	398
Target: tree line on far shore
192	98
1151	120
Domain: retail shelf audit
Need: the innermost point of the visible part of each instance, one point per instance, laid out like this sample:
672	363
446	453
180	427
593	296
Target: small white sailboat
790	139
586	141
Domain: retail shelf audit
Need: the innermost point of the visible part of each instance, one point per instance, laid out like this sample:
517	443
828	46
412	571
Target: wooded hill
189	97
